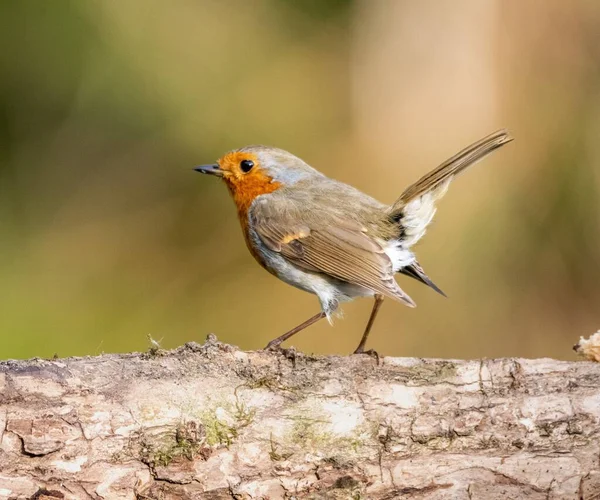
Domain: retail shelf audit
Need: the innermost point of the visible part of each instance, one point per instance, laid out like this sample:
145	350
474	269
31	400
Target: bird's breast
244	193
257	248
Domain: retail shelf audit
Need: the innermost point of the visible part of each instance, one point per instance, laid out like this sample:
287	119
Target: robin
328	238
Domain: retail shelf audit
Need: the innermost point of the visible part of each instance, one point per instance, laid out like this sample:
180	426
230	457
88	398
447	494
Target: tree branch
214	422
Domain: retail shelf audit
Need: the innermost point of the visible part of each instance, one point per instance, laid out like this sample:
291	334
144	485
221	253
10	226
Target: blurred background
108	236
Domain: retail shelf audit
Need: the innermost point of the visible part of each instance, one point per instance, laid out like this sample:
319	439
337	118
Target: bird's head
252	171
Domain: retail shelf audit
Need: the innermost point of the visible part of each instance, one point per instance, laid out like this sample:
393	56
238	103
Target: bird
328	238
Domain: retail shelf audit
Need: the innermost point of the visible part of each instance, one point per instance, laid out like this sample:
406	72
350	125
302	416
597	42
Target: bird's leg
274	344
361	347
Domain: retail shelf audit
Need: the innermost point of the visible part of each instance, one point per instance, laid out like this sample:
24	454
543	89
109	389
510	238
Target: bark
211	422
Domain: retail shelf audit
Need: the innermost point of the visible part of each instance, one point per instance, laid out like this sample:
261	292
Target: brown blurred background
107	235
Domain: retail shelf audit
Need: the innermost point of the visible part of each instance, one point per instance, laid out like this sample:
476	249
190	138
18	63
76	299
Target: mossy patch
313	434
187	442
217	431
223	421
214	425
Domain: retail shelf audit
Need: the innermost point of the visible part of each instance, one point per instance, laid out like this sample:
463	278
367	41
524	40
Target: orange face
245	178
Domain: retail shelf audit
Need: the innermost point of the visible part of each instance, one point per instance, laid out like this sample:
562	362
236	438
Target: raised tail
415	208
453	166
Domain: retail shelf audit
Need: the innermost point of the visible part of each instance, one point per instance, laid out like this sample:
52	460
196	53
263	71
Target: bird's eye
246	165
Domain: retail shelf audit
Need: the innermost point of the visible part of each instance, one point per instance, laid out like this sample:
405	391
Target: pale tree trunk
211	422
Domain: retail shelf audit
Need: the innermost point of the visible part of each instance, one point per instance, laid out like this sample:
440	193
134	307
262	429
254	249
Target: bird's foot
273	346
371	352
288	352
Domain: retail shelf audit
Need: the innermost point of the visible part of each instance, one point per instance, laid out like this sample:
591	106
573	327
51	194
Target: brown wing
341	250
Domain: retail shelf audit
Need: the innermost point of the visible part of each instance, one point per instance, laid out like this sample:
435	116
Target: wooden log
210	421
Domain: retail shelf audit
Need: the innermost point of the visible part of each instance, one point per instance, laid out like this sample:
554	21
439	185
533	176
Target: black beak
209	169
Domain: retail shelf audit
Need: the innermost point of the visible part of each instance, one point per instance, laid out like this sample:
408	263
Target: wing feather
341	250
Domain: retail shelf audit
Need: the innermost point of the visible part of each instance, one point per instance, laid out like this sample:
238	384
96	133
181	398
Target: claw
288	352
371	352
273	346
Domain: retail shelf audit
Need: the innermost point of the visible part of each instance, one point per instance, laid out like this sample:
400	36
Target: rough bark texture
211	422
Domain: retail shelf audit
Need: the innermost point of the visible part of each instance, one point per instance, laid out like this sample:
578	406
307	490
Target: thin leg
276	342
378	301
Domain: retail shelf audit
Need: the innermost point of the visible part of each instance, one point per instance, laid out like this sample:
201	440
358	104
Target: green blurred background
107	235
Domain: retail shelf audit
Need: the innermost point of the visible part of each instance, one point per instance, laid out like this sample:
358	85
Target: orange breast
244	191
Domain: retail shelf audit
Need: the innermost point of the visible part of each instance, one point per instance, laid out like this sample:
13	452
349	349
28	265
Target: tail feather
415	208
415	271
453	166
